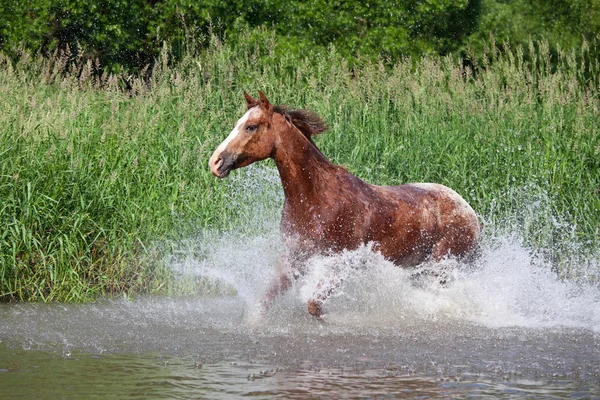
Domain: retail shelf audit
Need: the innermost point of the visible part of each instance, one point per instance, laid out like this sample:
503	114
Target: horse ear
251	102
264	103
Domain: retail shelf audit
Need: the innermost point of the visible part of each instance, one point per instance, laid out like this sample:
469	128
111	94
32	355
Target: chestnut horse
327	209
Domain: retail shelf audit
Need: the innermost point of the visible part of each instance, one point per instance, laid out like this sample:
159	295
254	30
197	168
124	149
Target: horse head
252	139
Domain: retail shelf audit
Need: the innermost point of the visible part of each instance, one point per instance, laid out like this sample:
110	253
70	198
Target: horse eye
251	128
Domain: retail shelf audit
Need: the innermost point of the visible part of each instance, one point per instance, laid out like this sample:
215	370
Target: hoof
314	309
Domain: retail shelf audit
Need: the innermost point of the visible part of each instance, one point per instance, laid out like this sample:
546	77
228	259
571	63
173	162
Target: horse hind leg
458	243
443	249
459	247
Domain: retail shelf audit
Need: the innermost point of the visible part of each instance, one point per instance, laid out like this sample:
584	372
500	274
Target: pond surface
207	348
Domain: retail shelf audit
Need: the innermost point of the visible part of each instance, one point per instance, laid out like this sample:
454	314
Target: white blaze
235	131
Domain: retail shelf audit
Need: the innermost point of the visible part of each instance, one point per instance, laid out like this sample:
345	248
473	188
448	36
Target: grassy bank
91	176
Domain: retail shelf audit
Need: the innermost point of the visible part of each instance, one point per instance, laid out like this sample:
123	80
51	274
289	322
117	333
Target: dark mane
306	121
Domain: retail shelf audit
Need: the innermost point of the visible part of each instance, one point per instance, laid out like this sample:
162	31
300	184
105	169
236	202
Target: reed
96	181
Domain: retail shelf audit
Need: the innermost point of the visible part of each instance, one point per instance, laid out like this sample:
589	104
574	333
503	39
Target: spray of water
512	284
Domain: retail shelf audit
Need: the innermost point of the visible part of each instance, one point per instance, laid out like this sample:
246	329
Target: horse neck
303	169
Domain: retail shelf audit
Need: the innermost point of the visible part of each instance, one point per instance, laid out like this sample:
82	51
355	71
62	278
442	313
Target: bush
131	33
564	24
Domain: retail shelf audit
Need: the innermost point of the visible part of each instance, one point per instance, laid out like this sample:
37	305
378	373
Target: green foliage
23	23
376	28
565	24
115	31
112	31
131	33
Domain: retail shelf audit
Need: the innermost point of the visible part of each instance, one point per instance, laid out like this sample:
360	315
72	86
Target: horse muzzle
221	164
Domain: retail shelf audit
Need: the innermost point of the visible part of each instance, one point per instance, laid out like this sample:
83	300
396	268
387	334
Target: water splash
512	284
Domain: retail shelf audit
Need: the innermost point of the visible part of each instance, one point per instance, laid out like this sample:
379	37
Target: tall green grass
93	176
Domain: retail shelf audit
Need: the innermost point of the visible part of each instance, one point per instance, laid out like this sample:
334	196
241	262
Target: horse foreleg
324	289
315	309
315	306
278	286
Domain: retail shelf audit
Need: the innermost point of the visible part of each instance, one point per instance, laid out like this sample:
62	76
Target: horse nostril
220	164
214	164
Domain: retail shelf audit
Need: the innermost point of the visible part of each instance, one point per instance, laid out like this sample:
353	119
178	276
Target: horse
327	209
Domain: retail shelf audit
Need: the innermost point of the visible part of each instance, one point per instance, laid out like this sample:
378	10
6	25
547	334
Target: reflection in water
507	327
35	374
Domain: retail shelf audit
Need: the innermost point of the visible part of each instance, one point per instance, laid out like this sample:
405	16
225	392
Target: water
206	348
508	327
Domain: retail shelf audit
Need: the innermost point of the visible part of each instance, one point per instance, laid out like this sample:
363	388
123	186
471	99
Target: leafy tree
130	32
563	23
23	23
